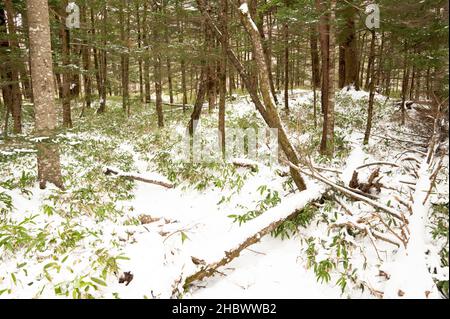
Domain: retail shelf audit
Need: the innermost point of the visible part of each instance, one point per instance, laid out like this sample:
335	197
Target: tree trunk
351	50
49	167
341	72
66	73
147	86
157	67
11	72
86	62
360	62
4	71
95	54
267	46
139	43
210	69
371	89
286	66
124	57
328	79
264	85
169	68
405	86
223	72
25	75
200	99
183	83
324	50
315	68
103	63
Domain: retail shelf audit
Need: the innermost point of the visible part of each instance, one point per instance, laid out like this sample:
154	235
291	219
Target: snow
244	8
189	222
413	255
216	245
267	270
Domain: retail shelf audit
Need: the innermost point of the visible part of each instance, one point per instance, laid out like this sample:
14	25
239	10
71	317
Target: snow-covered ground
107	237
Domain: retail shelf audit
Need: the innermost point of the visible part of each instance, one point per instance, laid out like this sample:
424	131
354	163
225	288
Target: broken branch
136	177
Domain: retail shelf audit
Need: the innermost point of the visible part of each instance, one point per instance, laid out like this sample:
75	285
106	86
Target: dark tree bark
103	63
124	18
10	73
315	67
341	73
324	45
361	60
184	92
350	49
223	72
64	35
145	38
327	35
95	54
157	68
200	99
210	69
286	66
405	84
371	89
87	83
139	43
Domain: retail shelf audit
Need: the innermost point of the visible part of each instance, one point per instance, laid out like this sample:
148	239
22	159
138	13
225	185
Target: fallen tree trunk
137	177
252	231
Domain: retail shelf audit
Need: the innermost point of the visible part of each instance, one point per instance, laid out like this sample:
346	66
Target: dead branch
110	171
407	182
402	140
410	158
366	230
398	156
327	169
403	240
345	207
378	164
433	177
401	201
350	194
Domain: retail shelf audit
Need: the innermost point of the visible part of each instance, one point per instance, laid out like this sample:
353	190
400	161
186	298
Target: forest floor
105	236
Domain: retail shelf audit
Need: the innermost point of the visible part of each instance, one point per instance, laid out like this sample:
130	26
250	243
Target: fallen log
252	231
137	177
